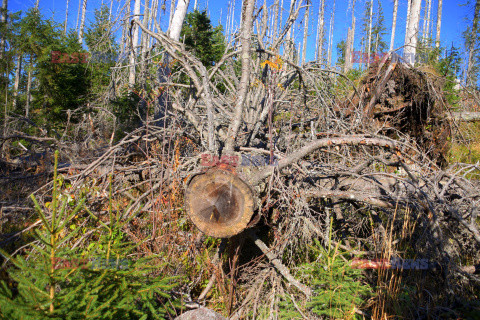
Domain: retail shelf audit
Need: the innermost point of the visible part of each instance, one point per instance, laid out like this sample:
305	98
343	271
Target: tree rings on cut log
219	203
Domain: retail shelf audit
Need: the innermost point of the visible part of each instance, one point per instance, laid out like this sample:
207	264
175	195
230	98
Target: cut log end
219	203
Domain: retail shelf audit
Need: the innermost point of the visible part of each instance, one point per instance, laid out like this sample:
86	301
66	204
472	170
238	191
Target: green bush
56	281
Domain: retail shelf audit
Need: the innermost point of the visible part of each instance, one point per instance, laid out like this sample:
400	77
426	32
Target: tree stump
219	203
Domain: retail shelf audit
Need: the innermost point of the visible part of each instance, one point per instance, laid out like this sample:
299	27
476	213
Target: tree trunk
429	9
289	38
29	86
17	81
439	23
66	19
134	46
177	20
195	5
320	30
349	47
369	40
412	31
78	15
473	43
82	21
275	16
145	38
305	32
172	10
394	24
3	22
244	84
330	36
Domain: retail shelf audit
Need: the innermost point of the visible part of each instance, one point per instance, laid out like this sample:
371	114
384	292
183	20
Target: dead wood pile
400	100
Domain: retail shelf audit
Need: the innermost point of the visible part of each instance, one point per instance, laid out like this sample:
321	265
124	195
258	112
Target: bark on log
466	116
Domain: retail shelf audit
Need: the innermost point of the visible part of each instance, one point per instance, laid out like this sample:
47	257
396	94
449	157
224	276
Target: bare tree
16	84
330	36
429	9
305	31
3	22
66	19
245	38
176	23
134	45
82	21
394	24
472	43
412	31
320	30
439	23
369	39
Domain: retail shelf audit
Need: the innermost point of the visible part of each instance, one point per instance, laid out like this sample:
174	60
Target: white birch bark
82	21
412	32
394	24
439	23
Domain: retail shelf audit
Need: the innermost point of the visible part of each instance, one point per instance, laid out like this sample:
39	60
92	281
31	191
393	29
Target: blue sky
454	21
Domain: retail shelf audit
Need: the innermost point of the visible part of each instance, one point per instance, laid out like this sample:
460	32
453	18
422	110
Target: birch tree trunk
394	24
134	46
412	31
66	19
473	43
320	30
82	21
305	32
17	81
246	32
439	23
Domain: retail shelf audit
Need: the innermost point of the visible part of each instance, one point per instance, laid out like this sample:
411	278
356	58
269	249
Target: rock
201	314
